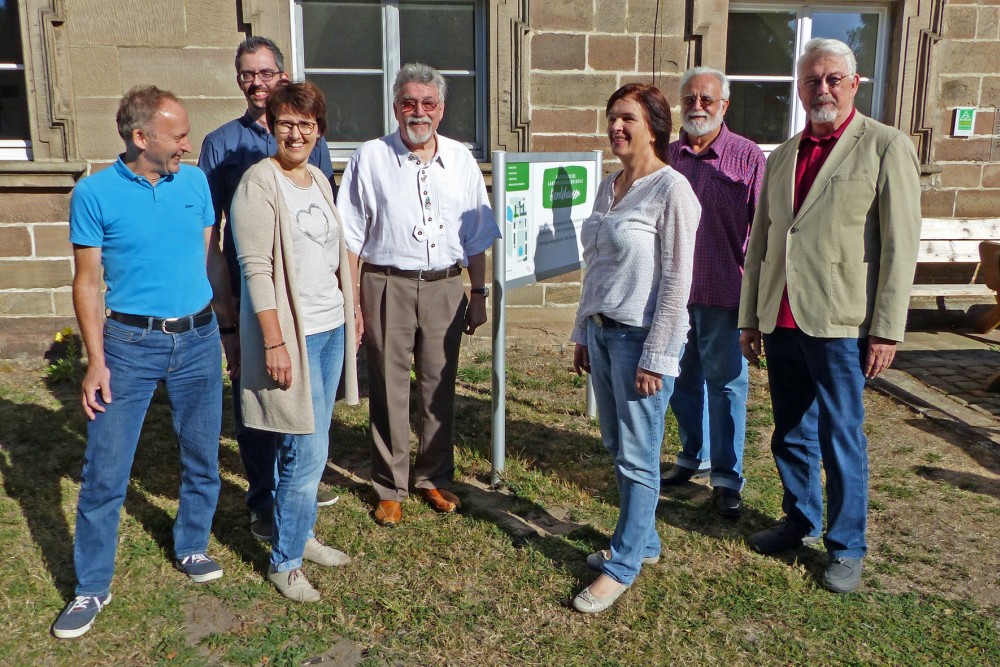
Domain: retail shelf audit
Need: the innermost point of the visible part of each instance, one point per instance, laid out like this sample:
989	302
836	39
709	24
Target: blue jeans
302	458
816	394
632	431
258	450
710	397
190	365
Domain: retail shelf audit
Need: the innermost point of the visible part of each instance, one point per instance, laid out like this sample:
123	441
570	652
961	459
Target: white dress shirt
403	213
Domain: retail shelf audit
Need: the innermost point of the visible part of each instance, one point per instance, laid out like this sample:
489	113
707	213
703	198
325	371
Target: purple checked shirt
726	177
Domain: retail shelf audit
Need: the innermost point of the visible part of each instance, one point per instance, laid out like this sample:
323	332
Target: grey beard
420	138
702	127
823	115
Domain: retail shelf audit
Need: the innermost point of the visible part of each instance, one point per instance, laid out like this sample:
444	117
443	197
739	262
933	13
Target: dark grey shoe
779	538
843	575
728	502
262	525
681	475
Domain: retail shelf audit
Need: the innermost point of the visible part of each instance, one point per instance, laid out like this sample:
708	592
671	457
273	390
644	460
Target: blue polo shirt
226	154
152	239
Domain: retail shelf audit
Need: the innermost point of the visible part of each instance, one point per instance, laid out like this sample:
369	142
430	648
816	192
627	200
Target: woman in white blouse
295	324
632	322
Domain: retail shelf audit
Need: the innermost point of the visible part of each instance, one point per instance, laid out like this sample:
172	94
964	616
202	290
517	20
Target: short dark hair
657	110
255	44
138	108
303	98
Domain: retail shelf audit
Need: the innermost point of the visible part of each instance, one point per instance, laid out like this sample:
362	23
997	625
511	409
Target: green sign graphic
517	176
966	118
563	187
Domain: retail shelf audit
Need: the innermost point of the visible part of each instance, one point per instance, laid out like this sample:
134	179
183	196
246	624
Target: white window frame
803	33
342	151
15	149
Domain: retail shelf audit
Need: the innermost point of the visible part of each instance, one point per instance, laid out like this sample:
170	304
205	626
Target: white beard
701	126
419	133
826	113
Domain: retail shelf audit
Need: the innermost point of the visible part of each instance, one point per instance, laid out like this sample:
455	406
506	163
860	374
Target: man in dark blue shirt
226	154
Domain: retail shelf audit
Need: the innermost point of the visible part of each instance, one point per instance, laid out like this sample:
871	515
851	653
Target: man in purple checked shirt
710	395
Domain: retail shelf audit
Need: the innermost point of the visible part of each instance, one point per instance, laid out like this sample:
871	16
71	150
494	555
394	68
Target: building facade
523	75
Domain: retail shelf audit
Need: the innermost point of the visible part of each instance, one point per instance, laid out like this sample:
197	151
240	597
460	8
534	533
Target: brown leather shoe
441	500
388	512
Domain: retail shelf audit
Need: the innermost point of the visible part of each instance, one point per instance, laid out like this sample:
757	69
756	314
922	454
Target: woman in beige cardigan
296	324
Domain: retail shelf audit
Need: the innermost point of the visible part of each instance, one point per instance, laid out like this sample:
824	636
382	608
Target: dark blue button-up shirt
226	154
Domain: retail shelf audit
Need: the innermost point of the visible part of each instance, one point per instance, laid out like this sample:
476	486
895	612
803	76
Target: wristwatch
485	291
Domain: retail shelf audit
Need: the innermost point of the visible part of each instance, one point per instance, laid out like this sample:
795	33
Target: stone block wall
36	270
965	180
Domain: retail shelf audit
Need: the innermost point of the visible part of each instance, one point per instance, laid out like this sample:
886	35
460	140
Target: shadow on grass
966	481
45	447
979	450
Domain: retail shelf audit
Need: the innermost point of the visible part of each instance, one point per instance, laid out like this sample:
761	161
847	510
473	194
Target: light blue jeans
710	397
190	365
302	458
632	431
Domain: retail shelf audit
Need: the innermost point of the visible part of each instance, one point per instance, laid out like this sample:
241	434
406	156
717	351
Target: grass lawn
491	585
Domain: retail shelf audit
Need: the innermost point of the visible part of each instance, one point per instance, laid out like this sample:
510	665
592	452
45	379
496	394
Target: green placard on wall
563	187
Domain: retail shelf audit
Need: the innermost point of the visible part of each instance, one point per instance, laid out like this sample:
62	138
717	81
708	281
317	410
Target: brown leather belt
168	324
426	275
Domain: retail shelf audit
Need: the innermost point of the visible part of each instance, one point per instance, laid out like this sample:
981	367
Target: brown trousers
409	319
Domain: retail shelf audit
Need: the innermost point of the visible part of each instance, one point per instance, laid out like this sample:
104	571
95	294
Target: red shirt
813	152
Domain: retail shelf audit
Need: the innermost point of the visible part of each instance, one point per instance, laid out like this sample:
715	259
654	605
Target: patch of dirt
205	616
934	526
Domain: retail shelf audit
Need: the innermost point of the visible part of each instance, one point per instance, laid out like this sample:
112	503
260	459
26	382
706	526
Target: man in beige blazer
829	266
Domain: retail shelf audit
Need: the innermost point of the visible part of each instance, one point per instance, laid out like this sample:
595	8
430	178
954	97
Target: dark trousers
816	394
421	321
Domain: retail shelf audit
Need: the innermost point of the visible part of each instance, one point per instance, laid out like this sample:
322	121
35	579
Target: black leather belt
602	320
427	275
166	325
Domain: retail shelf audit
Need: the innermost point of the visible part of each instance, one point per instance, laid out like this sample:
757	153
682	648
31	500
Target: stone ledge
39	174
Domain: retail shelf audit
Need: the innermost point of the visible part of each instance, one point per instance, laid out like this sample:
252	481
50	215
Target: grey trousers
409	319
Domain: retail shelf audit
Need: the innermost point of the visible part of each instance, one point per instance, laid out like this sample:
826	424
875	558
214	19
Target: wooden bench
975	242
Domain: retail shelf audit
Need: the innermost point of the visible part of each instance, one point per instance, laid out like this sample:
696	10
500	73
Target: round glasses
306	127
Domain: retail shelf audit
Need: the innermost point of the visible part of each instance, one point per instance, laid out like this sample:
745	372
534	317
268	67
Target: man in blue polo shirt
145	226
226	154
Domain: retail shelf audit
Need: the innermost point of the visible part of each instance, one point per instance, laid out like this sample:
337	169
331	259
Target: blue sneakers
79	615
199	567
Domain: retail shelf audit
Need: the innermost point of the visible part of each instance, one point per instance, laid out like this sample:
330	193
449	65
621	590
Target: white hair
818	47
419	73
697	71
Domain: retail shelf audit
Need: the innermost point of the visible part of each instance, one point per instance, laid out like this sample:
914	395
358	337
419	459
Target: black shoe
262	525
728	502
779	538
681	475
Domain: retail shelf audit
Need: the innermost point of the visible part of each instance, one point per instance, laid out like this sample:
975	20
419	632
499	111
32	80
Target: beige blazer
851	250
264	244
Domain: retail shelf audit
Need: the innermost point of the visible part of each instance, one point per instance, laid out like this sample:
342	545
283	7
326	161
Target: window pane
10	33
760	111
353	106
760	43
13	114
863	99
343	36
858	31
460	109
418	26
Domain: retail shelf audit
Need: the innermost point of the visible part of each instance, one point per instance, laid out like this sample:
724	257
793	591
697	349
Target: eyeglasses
409	104
306	127
265	75
689	100
832	81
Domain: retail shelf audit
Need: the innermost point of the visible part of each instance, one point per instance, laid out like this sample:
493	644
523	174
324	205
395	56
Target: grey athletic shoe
843	575
326	497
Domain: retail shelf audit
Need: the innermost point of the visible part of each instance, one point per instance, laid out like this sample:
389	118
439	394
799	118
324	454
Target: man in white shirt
415	211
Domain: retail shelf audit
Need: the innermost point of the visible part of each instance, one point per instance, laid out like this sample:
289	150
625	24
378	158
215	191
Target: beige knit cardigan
262	229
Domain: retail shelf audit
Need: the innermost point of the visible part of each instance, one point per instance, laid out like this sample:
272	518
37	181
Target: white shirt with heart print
317	257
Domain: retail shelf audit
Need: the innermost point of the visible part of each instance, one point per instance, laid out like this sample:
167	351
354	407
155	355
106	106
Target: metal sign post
540	201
